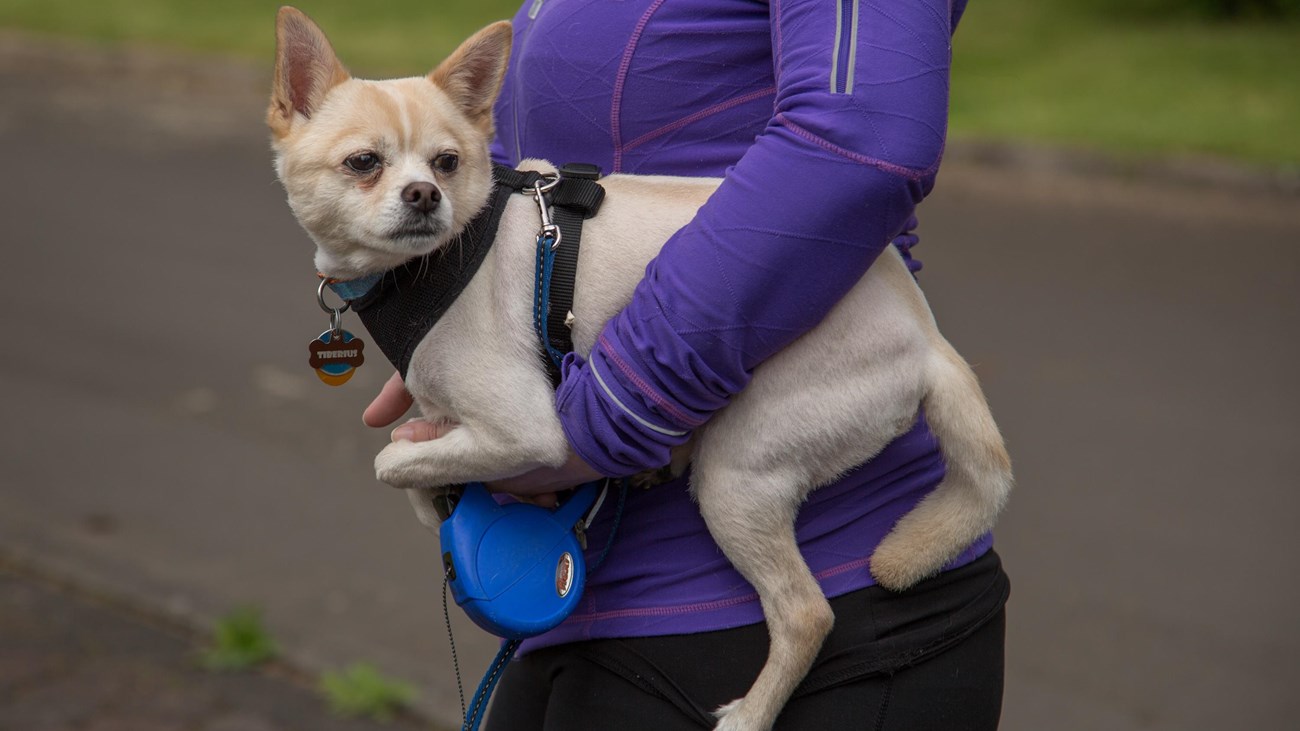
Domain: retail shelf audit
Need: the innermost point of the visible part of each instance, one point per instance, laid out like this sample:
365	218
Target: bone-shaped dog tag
336	355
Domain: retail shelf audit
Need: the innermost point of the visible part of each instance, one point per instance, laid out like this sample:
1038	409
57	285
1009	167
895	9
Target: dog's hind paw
729	719
896	570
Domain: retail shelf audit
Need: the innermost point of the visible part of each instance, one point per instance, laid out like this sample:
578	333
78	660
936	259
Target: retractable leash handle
517	570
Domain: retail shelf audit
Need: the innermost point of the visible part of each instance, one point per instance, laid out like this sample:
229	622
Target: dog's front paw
402	464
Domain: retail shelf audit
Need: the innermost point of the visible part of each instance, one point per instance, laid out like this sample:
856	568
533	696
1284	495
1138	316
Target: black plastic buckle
580	170
579	189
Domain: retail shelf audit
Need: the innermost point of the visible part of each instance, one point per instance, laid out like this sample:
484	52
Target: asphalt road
165	441
75	662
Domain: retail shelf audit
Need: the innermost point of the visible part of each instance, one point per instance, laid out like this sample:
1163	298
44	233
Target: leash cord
475	715
451	640
613	529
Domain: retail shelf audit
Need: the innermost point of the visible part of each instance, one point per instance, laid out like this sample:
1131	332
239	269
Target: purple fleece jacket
827	119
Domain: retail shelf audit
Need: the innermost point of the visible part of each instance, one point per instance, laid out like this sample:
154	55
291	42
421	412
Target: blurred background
1114	243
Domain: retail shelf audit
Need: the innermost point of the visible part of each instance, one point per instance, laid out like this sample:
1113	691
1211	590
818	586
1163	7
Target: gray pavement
74	661
165	442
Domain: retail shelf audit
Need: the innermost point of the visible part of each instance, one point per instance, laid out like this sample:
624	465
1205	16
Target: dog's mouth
415	232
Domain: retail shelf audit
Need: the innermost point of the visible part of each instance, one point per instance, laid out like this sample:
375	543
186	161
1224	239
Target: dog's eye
446	163
364	162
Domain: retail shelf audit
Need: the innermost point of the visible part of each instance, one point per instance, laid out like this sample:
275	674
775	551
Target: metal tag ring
320	299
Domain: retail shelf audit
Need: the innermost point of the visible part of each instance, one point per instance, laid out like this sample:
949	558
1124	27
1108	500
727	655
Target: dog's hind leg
752	519
965	505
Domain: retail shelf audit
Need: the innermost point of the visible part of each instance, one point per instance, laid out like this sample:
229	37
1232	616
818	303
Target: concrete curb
1183	171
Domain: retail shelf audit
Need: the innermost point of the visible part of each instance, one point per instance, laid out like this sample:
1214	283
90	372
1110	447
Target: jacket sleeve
852	146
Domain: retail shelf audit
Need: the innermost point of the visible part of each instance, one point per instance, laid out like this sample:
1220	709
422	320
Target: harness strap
516	180
577	198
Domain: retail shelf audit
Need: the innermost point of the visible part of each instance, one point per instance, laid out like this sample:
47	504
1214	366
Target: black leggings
927	659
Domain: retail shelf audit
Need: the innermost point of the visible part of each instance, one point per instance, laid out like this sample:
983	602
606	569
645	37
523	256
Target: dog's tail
964	506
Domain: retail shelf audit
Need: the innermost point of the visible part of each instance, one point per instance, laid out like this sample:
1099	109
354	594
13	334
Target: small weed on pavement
239	642
361	691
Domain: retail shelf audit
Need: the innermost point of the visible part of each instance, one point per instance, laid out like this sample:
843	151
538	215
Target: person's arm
853	145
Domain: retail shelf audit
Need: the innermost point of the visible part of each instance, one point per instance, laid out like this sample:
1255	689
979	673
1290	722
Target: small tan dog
347	149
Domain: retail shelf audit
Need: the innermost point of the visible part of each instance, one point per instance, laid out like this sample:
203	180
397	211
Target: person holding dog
828	121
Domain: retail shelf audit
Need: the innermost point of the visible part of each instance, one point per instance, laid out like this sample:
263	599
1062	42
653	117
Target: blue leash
478	704
542	295
474	716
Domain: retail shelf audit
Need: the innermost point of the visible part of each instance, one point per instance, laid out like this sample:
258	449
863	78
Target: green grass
390	37
239	642
1128	77
1132	83
361	691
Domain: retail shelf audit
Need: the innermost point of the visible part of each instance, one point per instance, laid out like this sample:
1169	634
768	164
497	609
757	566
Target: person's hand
393	401
537	486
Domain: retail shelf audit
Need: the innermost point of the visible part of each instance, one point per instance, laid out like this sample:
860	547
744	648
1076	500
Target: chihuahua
352	154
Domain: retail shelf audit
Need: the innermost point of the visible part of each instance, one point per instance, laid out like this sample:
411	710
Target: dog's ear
472	75
305	68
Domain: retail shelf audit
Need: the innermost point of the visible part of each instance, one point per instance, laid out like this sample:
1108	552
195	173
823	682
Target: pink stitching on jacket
664	611
706	606
697	116
616	107
652	394
889	167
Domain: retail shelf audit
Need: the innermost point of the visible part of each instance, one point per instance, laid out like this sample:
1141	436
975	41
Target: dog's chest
483	350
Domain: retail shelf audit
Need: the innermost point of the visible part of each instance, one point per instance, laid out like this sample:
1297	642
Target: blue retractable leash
516	569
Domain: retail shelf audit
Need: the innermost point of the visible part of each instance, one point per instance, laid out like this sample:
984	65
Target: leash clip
550	232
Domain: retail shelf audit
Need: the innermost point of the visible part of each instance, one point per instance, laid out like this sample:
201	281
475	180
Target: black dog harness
404	303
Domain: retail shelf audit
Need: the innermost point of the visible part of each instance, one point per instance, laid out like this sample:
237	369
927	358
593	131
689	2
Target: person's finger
393	401
543	480
420	430
543	500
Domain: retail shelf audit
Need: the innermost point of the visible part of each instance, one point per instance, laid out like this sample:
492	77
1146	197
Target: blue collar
355	289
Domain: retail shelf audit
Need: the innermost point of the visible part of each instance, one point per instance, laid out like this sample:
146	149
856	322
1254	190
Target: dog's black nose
423	197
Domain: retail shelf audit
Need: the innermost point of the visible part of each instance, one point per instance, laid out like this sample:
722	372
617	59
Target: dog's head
380	172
